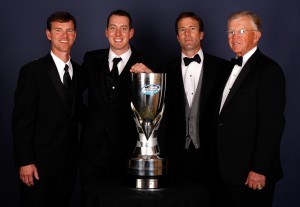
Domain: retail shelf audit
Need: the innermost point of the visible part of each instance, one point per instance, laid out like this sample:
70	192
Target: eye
112	27
230	32
182	30
124	29
70	30
242	31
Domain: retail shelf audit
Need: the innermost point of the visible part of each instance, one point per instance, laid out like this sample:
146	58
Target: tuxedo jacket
109	135
215	72
44	128
251	123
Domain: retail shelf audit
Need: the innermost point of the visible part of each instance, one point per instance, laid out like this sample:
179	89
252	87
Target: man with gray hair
250	121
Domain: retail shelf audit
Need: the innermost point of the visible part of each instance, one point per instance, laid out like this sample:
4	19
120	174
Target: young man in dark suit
109	135
251	120
45	119
193	81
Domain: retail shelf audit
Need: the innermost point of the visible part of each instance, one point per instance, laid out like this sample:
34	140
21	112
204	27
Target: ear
106	33
201	35
48	34
131	33
256	37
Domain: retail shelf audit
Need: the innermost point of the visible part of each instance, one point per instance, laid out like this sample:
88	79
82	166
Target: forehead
57	24
118	20
187	22
240	22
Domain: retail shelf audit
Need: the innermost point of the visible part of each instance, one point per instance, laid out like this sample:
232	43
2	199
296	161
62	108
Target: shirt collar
248	55
125	56
200	53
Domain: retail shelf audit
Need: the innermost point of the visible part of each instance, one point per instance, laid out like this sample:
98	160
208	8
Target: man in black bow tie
250	121
193	80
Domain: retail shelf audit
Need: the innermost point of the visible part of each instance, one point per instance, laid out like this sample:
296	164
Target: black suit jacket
251	122
109	135
215	73
44	130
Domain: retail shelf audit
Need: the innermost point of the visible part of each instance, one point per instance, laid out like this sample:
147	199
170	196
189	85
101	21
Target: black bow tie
238	61
187	60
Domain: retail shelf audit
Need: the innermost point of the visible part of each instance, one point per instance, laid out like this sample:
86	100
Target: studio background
22	39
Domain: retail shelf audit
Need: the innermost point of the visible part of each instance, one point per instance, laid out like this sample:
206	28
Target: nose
118	32
187	32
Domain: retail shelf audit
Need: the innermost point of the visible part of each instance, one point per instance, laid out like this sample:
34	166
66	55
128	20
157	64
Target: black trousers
49	192
240	196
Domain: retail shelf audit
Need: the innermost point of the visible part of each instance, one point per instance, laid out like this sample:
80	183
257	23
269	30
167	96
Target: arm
271	104
24	117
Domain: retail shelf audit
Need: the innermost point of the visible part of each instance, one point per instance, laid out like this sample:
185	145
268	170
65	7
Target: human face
189	36
62	36
118	34
242	43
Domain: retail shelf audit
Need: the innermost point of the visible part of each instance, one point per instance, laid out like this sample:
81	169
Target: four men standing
226	130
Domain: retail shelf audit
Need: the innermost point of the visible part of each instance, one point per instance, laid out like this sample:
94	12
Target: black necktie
237	61
187	60
115	71
67	78
68	86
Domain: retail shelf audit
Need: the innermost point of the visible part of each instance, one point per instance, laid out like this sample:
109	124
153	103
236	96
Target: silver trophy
146	169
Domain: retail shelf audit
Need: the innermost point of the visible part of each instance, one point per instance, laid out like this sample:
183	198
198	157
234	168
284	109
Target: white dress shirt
125	57
191	75
233	76
60	65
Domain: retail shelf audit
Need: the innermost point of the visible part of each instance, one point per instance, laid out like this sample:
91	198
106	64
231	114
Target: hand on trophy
140	68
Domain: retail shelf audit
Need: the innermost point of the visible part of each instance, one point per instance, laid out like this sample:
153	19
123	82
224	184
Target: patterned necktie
187	60
237	61
115	72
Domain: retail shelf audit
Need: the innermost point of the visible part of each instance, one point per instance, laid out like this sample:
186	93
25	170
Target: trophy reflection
146	169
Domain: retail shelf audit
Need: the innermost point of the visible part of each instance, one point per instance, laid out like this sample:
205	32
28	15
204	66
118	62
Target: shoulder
37	64
96	54
169	65
217	64
214	59
265	63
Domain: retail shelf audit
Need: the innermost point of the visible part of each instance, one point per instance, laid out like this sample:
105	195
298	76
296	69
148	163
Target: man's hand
255	181
26	174
140	68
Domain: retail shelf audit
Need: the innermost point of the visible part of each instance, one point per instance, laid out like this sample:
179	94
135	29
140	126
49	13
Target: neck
64	56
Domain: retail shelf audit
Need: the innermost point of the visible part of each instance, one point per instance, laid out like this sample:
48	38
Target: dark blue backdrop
22	39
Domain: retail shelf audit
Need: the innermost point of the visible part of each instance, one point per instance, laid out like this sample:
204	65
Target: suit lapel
54	76
178	86
100	72
124	80
76	86
241	77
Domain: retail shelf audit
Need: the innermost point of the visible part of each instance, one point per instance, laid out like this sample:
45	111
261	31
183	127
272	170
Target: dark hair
191	15
255	19
60	17
120	12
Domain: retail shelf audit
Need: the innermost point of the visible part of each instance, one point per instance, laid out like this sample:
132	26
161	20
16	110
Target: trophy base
148	182
148	172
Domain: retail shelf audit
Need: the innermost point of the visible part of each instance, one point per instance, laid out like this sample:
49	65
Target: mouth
118	40
64	41
236	43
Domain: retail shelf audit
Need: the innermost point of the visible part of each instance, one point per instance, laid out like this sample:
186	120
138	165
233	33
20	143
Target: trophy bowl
146	169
